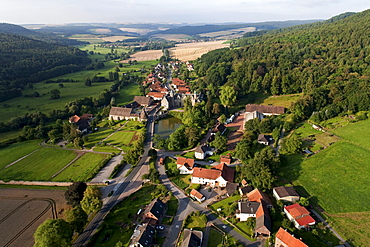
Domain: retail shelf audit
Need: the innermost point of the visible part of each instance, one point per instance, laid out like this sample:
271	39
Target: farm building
202	151
218	176
185	165
287	194
120	113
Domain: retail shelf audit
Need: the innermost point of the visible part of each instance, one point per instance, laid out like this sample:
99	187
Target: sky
167	11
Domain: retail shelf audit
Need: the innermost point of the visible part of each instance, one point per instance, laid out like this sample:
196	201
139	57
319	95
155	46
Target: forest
328	62
24	61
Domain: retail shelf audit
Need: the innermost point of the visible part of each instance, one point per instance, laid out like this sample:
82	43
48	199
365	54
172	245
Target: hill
46	37
24	61
328	61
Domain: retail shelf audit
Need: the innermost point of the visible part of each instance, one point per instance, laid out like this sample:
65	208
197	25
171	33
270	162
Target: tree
53	233
220	143
216	109
242	150
227	96
303	201
78	142
54	135
88	82
55	94
291	145
91	201
77	218
75	193
251	223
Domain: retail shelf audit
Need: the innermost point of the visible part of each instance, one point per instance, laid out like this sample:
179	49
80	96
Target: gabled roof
284	191
188	163
142	100
143	115
220	128
264	138
156	94
244	182
231	188
246	189
196	194
74	119
288	239
257	196
225	159
305	220
265	109
143	235
192	238
202	149
156	207
263	224
296	210
119	111
248	207
226	172
206	173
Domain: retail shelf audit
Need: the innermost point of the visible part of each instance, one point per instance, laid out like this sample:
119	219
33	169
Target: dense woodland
24	60
328	62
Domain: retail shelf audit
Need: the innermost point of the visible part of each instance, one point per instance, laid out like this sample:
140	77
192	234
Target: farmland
145	55
17	151
336	178
192	51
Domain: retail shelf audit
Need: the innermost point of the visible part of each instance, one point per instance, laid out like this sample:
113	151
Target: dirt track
23	210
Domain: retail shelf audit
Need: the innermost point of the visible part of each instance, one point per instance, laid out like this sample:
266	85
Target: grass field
121	138
127	94
215	238
356	132
16	151
196	221
9	135
283	100
98	136
39	166
82	169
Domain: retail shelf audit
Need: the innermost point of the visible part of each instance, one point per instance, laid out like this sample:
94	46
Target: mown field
16	151
336	178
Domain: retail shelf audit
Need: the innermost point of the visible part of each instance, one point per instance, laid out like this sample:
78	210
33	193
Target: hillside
46	37
24	60
328	62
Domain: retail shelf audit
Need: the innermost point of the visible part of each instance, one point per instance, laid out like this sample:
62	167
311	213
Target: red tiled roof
74	119
288	239
206	173
196	194
225	159
305	221
156	94
265	108
257	196
185	161
296	210
226	172
177	81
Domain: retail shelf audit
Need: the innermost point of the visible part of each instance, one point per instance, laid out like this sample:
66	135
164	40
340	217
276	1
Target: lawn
215	238
306	130
283	100
127	95
118	224
356	132
98	136
82	169
15	151
121	138
196	221
39	166
224	203
172	206
107	149
4	136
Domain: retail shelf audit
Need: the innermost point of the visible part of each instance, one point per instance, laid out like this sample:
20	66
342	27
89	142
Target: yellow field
233	32
144	56
174	37
192	51
115	38
136	30
102	30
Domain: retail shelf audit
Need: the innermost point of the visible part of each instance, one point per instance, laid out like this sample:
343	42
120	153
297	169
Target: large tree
77	218
227	96
91	201
75	193
53	233
220	143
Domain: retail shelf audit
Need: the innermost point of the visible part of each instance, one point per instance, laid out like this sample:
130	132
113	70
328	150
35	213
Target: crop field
356	132
283	100
192	51
23	210
235	32
16	151
82	169
98	136
145	56
39	166
141	31
173	37
96	39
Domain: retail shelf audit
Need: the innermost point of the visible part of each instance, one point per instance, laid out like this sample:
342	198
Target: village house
185	165
120	113
265	139
192	238
82	123
256	206
197	195
218	176
219	128
143	236
266	110
156	95
143	101
231	188
287	194
243	191
225	159
154	212
202	151
299	215
252	115
285	239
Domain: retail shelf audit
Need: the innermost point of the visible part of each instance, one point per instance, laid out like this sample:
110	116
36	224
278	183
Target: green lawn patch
182	181
172	206
40	165
215	238
4	136
356	132
121	138
196	221
83	169
306	130
127	95
282	100
35	187
224	203
16	151
107	149
98	136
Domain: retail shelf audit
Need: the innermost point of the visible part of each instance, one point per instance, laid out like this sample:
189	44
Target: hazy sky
172	11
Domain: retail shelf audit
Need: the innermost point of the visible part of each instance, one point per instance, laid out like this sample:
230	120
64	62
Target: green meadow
16	151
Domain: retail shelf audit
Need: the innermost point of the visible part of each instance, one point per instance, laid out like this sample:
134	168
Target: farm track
51	205
21	159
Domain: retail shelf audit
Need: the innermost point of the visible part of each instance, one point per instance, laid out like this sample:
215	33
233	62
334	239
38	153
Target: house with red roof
185	165
299	215
197	195
285	239
218	176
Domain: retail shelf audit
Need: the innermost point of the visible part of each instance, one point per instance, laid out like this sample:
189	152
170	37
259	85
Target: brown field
23	210
102	30
144	56
115	38
192	51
